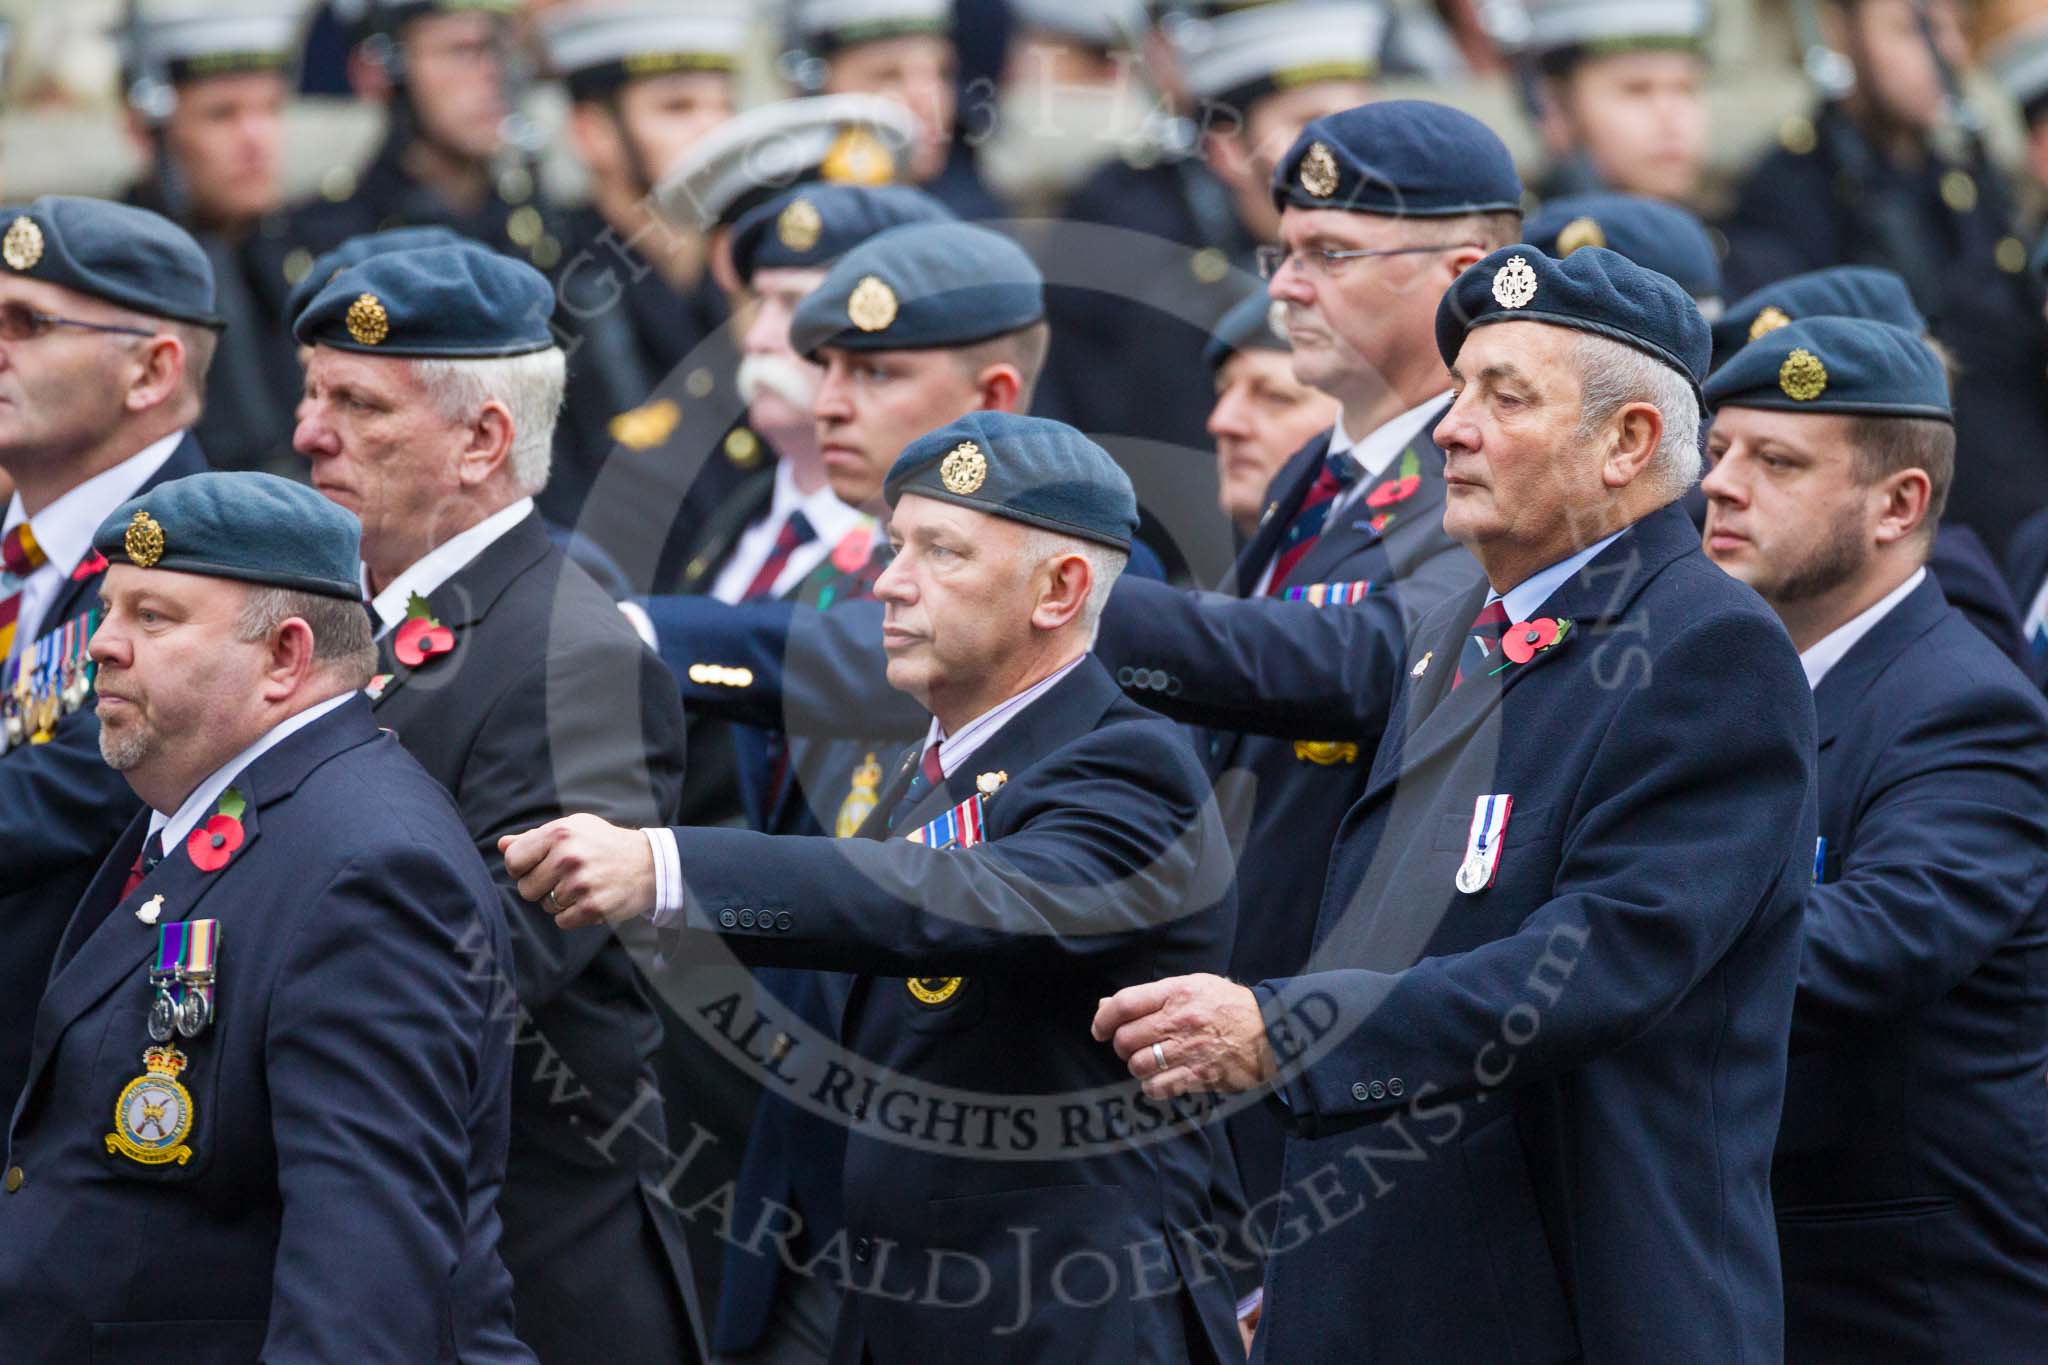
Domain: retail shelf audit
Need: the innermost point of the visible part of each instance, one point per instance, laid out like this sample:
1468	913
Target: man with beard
107	329
1907	1189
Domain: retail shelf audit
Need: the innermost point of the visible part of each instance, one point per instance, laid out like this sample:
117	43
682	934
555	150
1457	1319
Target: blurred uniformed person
646	81
1135	321
1050	840
1882	175
1909	1209
2012	35
205	89
440	68
1262	414
107	328
1621	95
265	1116
903	50
1520	1007
430	393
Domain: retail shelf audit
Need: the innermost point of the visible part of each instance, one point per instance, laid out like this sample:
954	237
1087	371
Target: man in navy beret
1664	237
1262	414
107	323
268	1059
1048	840
1918	1034
431	394
1528	1121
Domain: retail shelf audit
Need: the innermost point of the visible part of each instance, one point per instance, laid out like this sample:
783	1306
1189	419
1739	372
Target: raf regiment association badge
860	799
22	247
798	226
1514	284
1802	376
963	469
144	541
934	990
1577	233
367	321
1319	171
1768	321
872	305
153	1115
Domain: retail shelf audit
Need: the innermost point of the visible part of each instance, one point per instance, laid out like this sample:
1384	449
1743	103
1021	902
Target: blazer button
1158	681
727	918
784	921
1359	1092
15	1177
746	919
1378	1090
1172	687
1394	1086
1123	676
862	1249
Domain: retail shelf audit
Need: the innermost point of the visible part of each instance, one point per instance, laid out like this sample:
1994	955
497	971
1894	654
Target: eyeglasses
19	322
1323	264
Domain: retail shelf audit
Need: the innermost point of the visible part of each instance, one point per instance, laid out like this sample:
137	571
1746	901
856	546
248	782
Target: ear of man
1633	435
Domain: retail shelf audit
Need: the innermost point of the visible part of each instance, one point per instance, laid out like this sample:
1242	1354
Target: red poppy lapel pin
420	637
1524	640
212	845
1406	482
88	567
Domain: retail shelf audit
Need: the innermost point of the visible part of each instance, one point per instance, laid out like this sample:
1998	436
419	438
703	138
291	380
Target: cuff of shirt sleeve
668	876
643	624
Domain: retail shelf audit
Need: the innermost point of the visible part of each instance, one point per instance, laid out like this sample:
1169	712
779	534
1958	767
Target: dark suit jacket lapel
468	595
1841	691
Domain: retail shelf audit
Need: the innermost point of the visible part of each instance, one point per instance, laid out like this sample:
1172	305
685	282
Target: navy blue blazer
1534	1121
61	808
1911	1178
1105	865
349	1100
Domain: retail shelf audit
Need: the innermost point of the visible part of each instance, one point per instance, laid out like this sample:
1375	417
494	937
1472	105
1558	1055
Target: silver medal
160	1013
1472	876
192	1014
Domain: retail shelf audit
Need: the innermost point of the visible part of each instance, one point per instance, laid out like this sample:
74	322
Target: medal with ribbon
1482	844
153	1114
959	827
183	978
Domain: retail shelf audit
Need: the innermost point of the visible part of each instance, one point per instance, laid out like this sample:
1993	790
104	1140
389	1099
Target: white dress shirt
442	563
65	528
1824	653
829	518
172	829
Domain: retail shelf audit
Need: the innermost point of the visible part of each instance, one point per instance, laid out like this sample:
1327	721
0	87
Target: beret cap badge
144	541
367	321
1514	284
1802	376
1577	233
799	225
1319	171
872	305
963	469
23	245
1768	321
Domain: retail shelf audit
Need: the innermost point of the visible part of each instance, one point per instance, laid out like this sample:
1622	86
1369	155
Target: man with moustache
107	327
1262	414
1909	1227
1533	1068
265	1115
431	392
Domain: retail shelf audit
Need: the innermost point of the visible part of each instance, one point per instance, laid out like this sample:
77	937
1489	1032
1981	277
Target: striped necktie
20	556
1482	642
795	533
1339	472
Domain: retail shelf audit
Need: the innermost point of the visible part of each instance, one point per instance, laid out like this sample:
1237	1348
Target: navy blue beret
1668	239
1029	469
258	528
443	301
811	227
1842	291
921	287
1826	364
1249	324
1403	158
1594	290
355	251
125	255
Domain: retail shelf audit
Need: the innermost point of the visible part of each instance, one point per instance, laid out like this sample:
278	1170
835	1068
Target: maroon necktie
1339	472
795	532
1482	641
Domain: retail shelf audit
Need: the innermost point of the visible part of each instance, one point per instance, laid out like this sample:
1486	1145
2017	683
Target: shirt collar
1532	592
65	528
830	518
174	827
955	750
443	562
1830	649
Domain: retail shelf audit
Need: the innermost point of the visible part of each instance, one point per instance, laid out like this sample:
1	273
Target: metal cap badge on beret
1402	158
1832	364
258	528
921	287
810	227
600	46
839	139
1029	469
1592	290
355	251
1664	237
448	301
127	256
1253	323
1841	291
